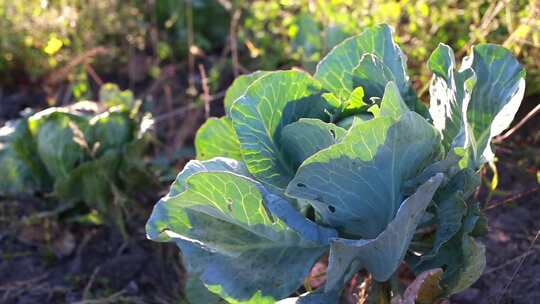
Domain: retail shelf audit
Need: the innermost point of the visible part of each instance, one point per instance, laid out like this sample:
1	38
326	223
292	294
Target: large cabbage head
347	162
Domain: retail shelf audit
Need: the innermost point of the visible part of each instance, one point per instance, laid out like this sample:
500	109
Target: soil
43	260
513	264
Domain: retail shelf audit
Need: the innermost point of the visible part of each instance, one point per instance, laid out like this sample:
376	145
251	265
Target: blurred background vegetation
131	40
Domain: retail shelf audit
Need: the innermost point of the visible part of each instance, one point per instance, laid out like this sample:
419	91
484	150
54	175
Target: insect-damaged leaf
479	101
382	255
225	229
356	185
450	95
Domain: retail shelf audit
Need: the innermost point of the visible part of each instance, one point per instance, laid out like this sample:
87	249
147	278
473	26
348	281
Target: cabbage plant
90	153
347	163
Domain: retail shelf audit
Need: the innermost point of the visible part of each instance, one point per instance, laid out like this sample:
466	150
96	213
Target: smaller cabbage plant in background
89	152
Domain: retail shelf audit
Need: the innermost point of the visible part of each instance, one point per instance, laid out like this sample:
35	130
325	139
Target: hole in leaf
229	204
300	185
332	208
333	133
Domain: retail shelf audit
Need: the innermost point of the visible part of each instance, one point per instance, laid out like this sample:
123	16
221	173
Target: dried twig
167	72
169	105
178	111
59	75
46	214
511	198
19	284
233	41
513	130
90	70
509	262
485	24
19	287
154	30
114	298
78	254
67	94
527	24
190	123
190	42
206	91
505	289
183	109
88	287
